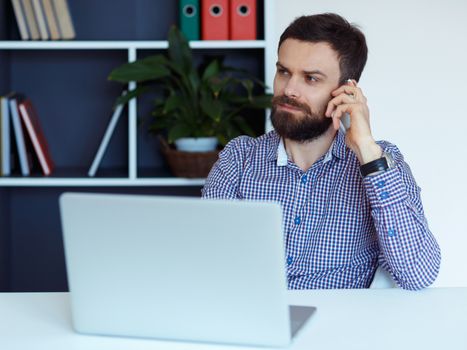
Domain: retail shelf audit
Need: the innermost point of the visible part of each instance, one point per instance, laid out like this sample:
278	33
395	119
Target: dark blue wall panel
36	257
123	19
4	72
74	102
4	239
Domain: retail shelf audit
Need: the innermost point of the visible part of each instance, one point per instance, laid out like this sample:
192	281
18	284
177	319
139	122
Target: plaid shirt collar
279	154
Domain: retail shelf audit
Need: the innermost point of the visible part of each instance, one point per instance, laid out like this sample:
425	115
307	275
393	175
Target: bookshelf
67	82
131	50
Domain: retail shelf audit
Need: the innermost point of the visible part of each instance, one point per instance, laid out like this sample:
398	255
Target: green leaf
172	103
211	70
179	131
213	108
236	99
261	102
217	85
234	69
222	139
151	68
248	85
179	50
131	94
193	78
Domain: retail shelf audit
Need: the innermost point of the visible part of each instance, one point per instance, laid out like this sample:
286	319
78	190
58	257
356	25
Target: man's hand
349	98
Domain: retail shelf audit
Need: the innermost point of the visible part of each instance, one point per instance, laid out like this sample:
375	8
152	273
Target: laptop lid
176	268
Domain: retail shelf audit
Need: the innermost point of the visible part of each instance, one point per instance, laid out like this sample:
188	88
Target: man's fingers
339	112
336	123
341	109
348	98
336	101
349	90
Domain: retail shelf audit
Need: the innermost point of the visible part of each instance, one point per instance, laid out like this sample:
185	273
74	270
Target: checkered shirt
338	226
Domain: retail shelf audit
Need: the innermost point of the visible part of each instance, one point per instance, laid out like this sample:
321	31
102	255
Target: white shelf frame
128	45
132	47
98	182
132	123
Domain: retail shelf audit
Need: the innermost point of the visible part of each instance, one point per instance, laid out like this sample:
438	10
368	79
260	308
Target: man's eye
281	71
311	78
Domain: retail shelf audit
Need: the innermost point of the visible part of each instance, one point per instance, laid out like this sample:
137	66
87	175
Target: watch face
389	159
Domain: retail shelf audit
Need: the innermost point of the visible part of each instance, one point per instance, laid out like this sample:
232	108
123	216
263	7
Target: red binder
215	19
243	19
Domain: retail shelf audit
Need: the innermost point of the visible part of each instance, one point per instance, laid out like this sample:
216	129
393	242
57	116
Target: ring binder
215	20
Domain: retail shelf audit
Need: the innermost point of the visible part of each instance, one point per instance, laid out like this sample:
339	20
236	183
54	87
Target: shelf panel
126	45
77	177
91	182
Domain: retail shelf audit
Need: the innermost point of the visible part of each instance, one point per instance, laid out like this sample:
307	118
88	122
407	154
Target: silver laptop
178	268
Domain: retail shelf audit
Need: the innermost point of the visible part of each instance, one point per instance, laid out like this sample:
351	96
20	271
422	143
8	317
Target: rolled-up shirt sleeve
409	251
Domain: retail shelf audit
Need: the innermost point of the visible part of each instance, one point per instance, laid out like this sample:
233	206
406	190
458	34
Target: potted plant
191	101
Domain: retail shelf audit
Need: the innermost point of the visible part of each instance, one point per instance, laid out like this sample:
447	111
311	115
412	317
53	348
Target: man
350	204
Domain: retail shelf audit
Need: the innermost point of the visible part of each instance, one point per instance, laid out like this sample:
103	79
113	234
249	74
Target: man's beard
300	128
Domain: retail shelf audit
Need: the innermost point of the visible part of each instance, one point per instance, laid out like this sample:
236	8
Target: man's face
306	75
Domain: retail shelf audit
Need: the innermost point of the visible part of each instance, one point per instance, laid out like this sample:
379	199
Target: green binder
190	18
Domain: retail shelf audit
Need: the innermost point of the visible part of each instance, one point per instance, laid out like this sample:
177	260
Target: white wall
416	84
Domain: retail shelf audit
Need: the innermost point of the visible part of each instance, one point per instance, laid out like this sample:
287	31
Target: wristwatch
377	166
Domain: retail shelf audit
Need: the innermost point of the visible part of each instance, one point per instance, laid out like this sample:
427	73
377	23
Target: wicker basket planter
188	164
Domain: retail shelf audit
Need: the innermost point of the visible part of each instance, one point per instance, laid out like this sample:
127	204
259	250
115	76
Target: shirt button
304	179
384	195
297	220
391	232
289	260
381	184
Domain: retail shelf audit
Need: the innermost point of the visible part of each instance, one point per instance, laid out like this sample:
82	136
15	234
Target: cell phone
345	122
345	119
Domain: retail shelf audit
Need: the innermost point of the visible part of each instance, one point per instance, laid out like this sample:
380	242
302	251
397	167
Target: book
105	140
215	20
40	17
20	19
189	18
242	19
51	19
19	136
31	19
65	24
5	136
36	135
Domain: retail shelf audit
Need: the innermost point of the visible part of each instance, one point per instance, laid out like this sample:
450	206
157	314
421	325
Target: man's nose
291	89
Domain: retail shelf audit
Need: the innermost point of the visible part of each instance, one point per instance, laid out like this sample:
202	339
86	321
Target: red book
215	20
30	120
243	19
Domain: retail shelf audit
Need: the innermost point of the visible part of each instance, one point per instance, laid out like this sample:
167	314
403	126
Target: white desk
346	319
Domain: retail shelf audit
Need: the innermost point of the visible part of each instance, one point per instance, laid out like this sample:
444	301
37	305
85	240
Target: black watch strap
380	164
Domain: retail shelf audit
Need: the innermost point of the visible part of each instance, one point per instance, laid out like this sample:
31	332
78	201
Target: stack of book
21	137
218	19
43	19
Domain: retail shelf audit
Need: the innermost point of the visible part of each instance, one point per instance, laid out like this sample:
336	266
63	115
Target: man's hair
345	38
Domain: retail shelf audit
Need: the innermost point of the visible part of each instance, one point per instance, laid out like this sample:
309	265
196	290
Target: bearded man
350	204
